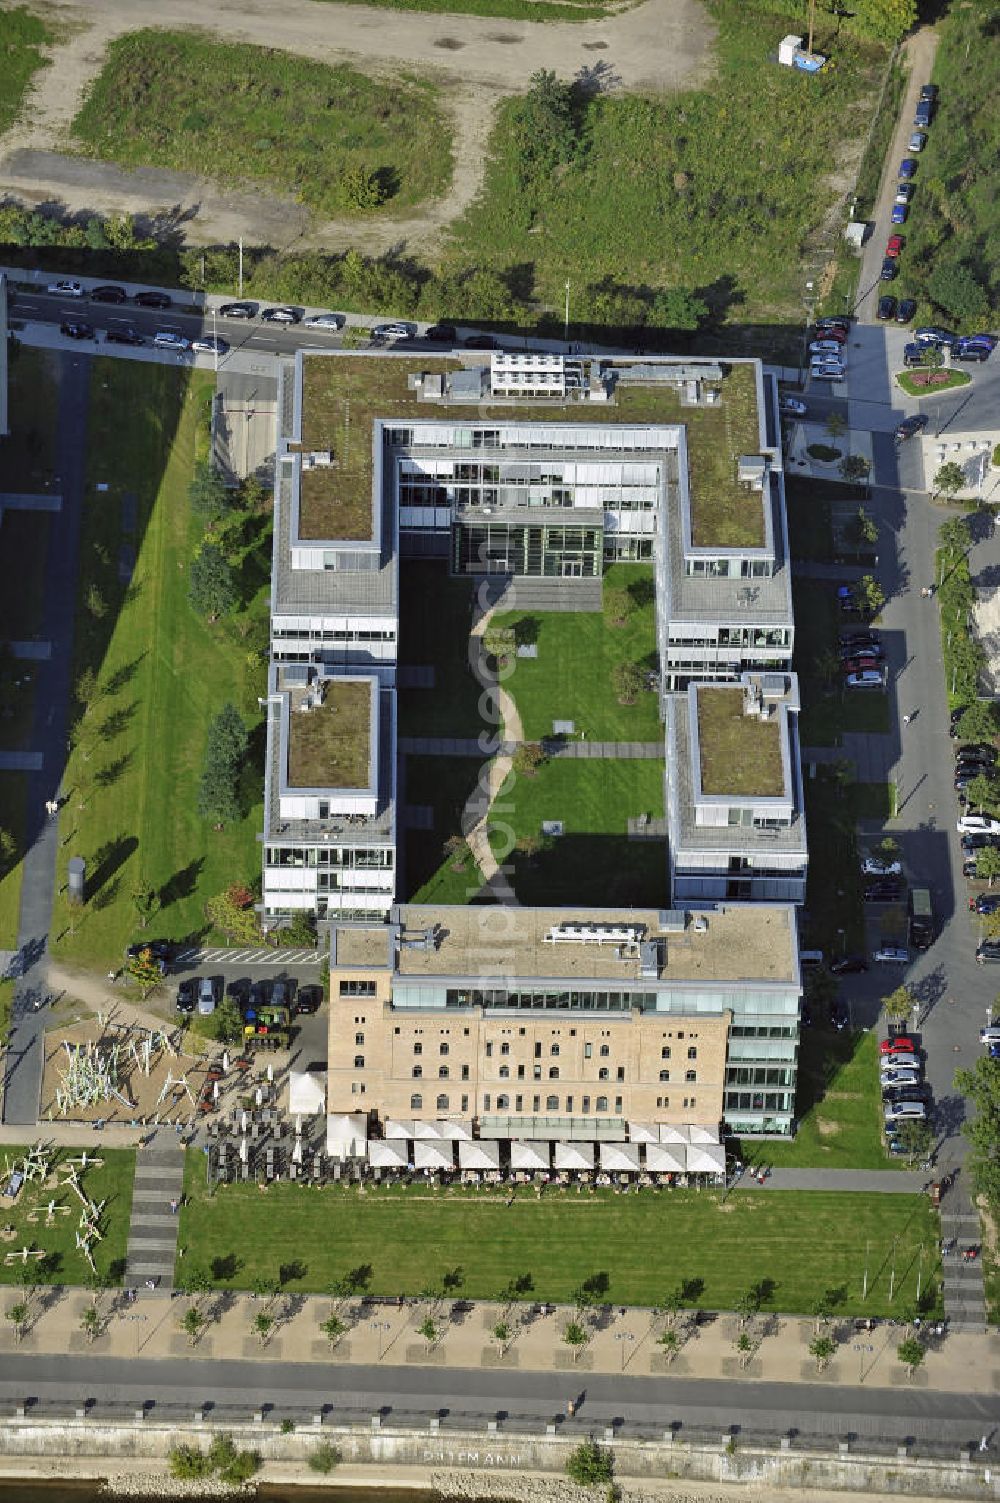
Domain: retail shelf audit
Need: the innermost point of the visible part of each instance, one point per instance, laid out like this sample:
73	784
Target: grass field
22	37
646	1244
570	679
110	1181
915	384
444	783
833	888
827	709
163	671
721	187
837	1105
293	125
511	10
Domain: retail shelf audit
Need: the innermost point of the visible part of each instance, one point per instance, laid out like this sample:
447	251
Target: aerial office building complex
535	472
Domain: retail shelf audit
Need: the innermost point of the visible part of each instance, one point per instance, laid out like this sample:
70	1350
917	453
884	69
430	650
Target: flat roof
343	394
329	745
365	949
753	942
738	753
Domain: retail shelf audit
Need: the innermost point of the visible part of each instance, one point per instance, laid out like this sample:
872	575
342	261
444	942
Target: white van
810	960
865	678
891	955
165	339
989	1035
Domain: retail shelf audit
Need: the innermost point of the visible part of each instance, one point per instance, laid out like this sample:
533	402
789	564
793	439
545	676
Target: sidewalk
389	1336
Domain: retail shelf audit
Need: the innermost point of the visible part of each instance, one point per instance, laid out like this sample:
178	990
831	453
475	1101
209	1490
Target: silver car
206	996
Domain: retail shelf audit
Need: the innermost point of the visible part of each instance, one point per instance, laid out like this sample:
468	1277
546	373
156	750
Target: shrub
823	452
590	1465
324	1458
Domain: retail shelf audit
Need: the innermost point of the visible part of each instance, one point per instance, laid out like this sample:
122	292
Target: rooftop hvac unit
672	920
318	459
699	924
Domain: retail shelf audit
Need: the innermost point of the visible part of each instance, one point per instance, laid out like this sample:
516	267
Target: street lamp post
566	322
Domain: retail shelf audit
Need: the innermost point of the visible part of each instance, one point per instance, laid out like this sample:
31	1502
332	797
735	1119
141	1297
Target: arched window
602	1103
665	1052
418	1070
605	1050
664	1074
503	1102
418	1048
693	1052
359	1062
442	1072
443	1049
690	1074
552	1103
442	1103
602	1073
504	1048
416	1103
554	1072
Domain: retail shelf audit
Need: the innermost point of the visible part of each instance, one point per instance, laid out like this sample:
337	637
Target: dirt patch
657	46
826	1128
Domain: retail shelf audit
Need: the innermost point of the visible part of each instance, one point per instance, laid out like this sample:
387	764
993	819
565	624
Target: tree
744	1345
669	1305
932	357
836	424
96	603
617	606
361	188
865	527
144	970
956	289
979	722
429	1330
955	536
911	1353
193	1324
827	665
209	497
981	1088
988	864
225	750
915	1137
503	1335
263	1325
543	127
9	853
855	469
590	1465
145	900
669	1343
267	1288
884	20
950	479
352	1283
324	1458
870	594
575	1337
17	1314
528	758
984	791
676	308
211	586
899	1004
333	1329
748	1304
225	1024
822	1348
233	914
87	691
195	1283
626	681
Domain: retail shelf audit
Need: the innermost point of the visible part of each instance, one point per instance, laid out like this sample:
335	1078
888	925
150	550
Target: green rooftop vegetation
344	394
740	754
330	746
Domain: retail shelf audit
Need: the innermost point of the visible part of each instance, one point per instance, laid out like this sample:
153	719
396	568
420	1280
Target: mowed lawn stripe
805	1242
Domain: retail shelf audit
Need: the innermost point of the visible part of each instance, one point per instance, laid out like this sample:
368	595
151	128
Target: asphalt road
528	1400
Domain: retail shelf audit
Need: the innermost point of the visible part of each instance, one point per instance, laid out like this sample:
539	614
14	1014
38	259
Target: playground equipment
90	1078
175	1082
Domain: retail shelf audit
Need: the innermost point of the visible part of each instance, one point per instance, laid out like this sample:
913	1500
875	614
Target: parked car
166	339
891	955
442	333
899	1080
153	300
989	340
850	965
793	406
990	1034
865	678
934	334
897	1041
839	336
929	91
124	335
325	321
862	650
979	751
894	246
207	996
978	824
186	1002
971	353
905	192
65	289
987	903
281	315
827	372
913	353
393	331
911	426
889	270
824	347
923	113
875	866
988	952
898	214
885	890
238	310
864	663
308	999
279	995
908	168
108	293
834	321
905	1111
76	328
917	141
886	309
481	342
210	344
869	636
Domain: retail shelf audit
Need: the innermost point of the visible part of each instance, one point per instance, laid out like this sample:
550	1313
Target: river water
63	1492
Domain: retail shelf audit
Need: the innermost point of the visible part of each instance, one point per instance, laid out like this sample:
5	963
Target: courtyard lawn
833	887
805	1242
429	872
837	1106
828	710
593	862
298	127
163	673
110	1181
435	614
570	679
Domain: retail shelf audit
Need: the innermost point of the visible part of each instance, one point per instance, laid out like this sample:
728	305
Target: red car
894	245
901	1041
839	336
859	664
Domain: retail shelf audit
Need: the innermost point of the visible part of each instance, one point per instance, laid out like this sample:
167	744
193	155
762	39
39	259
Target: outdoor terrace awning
529	1155
663	1158
620	1157
703	1134
388	1155
306	1093
347	1136
479	1155
400	1129
574	1156
671	1134
428	1130
456	1132
643	1132
709	1158
428	1155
